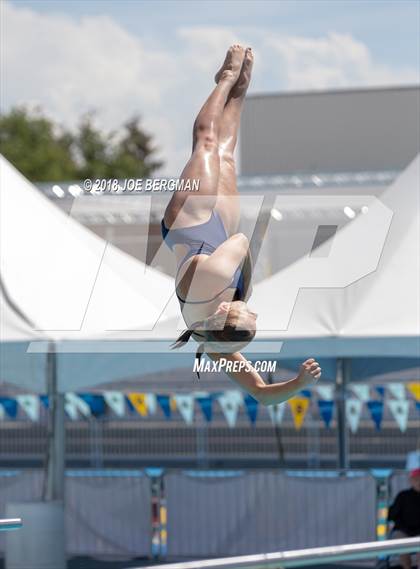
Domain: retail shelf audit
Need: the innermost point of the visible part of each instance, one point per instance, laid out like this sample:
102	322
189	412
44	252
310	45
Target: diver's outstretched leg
204	164
228	198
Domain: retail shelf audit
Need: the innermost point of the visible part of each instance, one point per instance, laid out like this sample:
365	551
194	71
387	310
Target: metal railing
303	557
10	524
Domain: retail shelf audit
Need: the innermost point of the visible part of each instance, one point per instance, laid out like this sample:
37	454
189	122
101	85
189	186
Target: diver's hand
309	372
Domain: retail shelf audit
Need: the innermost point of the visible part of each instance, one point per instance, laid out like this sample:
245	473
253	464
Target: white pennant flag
361	390
397	390
151	403
276	412
30	404
74	405
325	392
1	412
185	405
115	401
399	410
353	413
230	401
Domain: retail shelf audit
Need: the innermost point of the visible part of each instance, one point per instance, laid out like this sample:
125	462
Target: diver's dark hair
216	329
184	338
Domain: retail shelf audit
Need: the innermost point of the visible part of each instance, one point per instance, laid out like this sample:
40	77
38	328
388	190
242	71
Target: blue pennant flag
44	400
251	406
96	403
380	389
376	409
206	404
306	393
326	409
418	405
10	406
129	404
165	404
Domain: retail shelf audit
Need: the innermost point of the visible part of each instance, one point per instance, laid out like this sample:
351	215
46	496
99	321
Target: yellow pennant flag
299	407
138	401
414	388
172	403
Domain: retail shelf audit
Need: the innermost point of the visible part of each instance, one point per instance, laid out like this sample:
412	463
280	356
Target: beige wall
337	131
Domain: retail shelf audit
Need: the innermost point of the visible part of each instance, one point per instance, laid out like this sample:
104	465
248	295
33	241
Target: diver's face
245	317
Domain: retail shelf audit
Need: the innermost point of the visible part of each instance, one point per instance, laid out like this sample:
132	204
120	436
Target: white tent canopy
61	283
68	281
372	312
84	294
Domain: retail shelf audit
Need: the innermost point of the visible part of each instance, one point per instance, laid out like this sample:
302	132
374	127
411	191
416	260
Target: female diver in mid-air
213	281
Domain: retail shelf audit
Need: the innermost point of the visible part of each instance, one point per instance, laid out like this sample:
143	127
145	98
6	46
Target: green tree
37	148
93	150
133	157
44	152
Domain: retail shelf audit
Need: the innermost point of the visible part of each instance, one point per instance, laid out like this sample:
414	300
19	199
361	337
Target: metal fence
181	514
107	513
137	442
265	511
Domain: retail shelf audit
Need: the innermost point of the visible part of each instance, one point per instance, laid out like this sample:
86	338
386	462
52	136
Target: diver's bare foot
242	83
232	64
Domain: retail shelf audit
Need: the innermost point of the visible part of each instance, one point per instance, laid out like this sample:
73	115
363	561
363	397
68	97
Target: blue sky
391	29
158	57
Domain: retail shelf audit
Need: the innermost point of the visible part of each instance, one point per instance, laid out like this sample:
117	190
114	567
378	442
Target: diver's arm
216	272
250	380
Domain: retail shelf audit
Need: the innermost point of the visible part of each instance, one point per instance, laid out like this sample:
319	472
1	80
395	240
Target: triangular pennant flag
251	406
206	405
96	403
397	390
414	388
10	406
326	409
230	401
418	405
306	393
151	403
276	412
71	411
185	405
380	390
353	413
163	401
172	403
376	409
44	400
74	405
399	410
138	401
361	391
30	404
299	407
2	413
325	392
116	402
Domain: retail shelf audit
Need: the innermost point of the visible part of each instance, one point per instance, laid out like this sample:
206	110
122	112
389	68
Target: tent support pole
54	489
343	369
277	431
